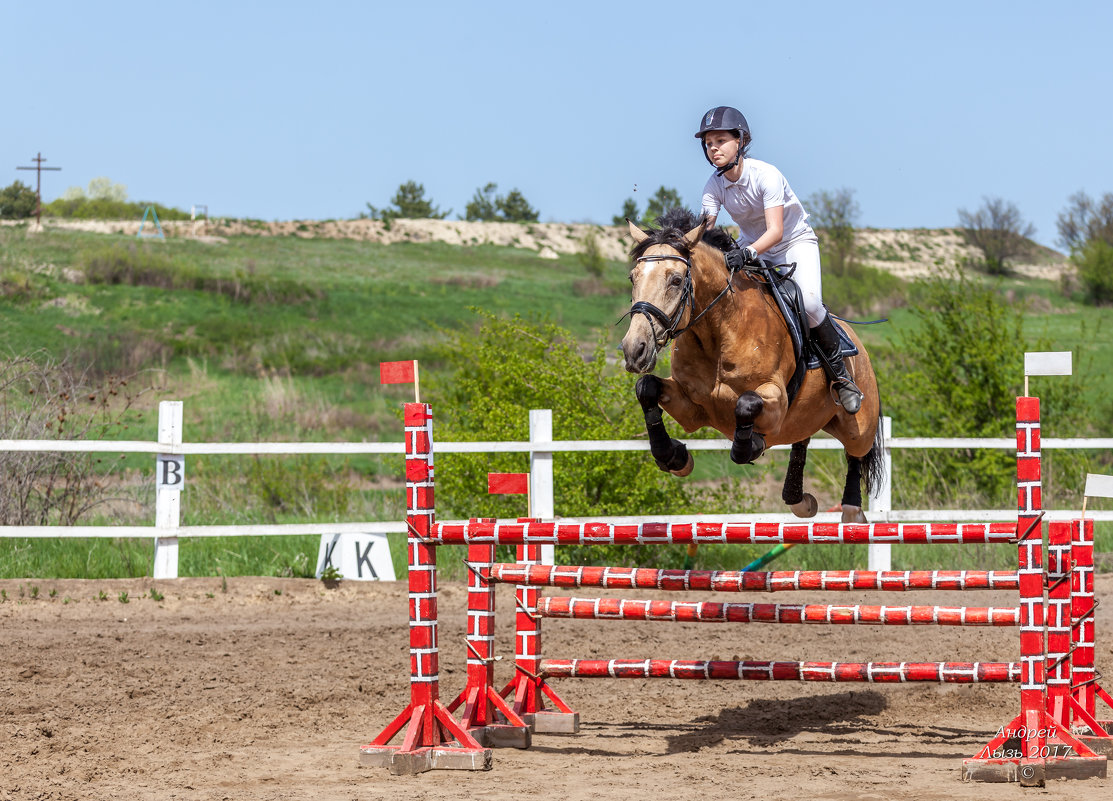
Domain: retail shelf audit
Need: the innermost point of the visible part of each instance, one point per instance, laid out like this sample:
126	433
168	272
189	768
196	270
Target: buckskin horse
733	360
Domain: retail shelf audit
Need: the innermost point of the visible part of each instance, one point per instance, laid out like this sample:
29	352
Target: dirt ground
265	689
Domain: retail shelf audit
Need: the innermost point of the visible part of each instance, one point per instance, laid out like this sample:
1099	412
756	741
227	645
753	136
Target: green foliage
409	203
860	290
135	265
629	212
591	257
1094	264
17	202
663	199
481	207
958	373
104	200
487	206
998	231
834	215
515	208
509	366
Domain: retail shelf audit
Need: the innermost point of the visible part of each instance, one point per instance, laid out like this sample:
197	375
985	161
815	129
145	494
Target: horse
732	363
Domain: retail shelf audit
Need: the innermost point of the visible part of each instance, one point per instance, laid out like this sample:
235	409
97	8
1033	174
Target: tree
998	231
515	208
409	203
103	189
487	206
629	212
834	214
1086	229
664	199
1084	221
482	206
18	201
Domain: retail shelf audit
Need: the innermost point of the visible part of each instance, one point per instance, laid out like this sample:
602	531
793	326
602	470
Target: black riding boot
826	336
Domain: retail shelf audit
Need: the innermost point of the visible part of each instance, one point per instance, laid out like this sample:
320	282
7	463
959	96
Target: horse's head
662	297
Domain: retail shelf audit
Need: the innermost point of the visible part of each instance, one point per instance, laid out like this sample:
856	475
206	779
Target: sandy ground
266	688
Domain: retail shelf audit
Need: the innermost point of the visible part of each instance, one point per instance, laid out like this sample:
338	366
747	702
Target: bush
958	373
41	398
1094	264
510	366
18	201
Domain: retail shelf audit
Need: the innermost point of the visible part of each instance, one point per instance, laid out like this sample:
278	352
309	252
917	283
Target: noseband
669	324
652	313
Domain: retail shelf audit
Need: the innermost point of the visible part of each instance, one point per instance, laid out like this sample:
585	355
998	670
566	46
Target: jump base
553	722
500	736
408	763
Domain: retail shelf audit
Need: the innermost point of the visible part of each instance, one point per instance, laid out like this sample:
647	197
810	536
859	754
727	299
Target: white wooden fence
170	451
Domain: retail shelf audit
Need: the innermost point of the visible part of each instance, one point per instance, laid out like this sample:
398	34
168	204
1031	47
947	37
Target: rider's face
721	147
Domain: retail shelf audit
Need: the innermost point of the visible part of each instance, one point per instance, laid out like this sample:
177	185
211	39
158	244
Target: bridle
668	323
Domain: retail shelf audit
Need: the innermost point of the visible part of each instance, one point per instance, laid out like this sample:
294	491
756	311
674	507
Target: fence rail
170	449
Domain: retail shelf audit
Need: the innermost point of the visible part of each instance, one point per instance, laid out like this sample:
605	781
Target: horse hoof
806	507
853	514
687	468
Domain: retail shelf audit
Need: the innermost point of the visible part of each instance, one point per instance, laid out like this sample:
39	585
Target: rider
771	219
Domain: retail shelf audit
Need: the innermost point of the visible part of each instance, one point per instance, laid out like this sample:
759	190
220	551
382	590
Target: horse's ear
638	234
693	237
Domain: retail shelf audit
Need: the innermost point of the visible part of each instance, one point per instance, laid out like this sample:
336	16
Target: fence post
169	480
881	502
542	503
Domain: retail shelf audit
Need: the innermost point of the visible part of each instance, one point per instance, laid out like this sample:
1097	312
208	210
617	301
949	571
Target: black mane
673	225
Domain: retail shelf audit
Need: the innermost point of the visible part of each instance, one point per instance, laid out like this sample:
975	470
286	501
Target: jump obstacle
1058	683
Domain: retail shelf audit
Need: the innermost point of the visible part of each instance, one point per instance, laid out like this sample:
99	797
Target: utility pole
38	168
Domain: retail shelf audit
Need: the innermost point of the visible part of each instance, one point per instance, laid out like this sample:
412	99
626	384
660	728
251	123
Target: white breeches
805	252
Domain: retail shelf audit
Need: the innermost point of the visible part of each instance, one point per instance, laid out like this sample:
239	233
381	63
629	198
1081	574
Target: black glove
741	258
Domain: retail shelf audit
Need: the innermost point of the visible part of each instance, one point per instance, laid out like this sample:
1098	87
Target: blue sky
287	110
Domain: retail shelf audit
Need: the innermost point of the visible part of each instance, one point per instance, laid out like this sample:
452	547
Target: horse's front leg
670	454
757	414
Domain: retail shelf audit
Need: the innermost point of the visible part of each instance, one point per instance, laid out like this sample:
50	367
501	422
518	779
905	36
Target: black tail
873	463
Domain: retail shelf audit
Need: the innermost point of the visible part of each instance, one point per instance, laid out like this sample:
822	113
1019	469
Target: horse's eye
675	280
631	277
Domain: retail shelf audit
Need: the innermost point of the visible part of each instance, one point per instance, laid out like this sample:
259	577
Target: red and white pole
433	738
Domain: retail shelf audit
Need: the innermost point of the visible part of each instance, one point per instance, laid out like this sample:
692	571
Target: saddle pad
786	293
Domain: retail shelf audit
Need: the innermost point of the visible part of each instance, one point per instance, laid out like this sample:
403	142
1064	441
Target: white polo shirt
761	187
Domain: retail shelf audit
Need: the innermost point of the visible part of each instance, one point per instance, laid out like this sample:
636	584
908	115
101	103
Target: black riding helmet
725	118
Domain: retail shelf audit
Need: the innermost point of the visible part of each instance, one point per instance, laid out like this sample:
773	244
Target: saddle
786	293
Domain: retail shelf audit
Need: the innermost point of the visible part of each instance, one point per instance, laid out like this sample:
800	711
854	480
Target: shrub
1094	264
509	366
18	201
41	398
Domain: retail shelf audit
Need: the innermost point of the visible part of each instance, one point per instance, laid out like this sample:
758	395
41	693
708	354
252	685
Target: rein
668	324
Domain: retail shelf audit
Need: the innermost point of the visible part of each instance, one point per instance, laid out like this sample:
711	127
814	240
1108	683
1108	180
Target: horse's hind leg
852	492
803	504
670	454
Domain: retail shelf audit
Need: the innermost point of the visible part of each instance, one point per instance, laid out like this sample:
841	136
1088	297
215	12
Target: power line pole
38	168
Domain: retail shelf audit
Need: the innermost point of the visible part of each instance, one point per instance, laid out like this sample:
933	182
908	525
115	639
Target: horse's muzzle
640	352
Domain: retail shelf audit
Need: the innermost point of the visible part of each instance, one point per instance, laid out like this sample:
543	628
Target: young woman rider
772	221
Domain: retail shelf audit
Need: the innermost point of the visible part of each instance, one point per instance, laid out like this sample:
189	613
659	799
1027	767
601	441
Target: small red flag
397	372
508	483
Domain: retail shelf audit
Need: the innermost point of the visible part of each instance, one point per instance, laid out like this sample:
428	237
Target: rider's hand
742	257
